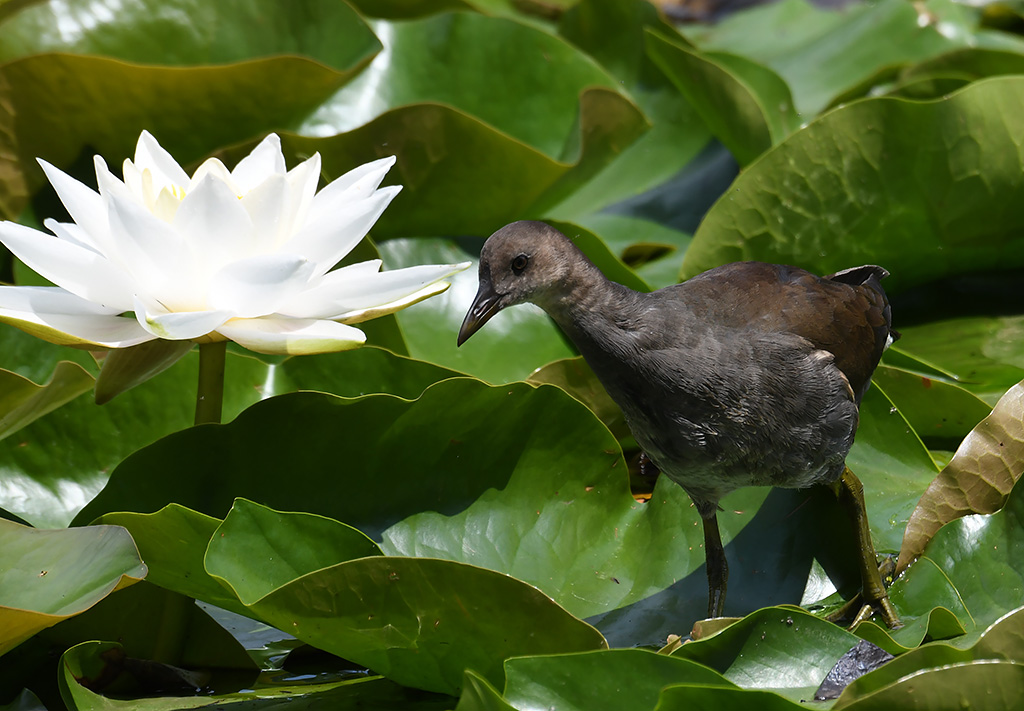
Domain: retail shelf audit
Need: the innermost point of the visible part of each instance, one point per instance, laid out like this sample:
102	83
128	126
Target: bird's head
523	261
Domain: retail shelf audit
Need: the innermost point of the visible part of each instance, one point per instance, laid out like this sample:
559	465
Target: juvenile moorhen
749	374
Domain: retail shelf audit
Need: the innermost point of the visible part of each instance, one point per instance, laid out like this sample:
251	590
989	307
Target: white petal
303	180
265	160
285	336
360	315
150	154
356	184
108	182
60	317
87	207
340	294
268	207
70	232
155	256
258	285
178	325
317	301
79	270
213	168
327	240
214	224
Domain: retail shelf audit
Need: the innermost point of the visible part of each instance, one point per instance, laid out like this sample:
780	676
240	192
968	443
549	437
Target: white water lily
243	255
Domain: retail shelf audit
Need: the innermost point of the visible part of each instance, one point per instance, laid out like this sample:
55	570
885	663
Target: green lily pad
22	401
480	695
419	621
284	546
52	575
983	684
473	48
782	649
264	78
821	52
835	194
1002	640
91	664
612	32
439	452
745	105
939	411
978	478
981	353
971	567
626	679
173	542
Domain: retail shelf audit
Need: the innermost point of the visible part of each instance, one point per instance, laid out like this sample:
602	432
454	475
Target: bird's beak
486	304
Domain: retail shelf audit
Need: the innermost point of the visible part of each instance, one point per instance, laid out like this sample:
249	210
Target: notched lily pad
22	401
59	573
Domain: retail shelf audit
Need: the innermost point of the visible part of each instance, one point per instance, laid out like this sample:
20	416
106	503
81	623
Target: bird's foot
874	599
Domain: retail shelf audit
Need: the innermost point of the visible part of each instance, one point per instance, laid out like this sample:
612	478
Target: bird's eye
519	263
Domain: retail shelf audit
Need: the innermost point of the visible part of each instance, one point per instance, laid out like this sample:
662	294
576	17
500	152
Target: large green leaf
439	452
90	669
447	189
822	52
924	189
745	105
624	679
421	622
22	401
782	649
50	575
532	104
612	32
982	354
173	543
1001	640
257	550
938	410
263	79
972	567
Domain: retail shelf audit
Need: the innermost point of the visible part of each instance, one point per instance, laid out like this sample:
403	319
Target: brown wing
846	314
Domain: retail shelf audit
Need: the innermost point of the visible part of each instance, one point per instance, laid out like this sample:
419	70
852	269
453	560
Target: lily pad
280	544
838	191
419	621
625	679
260	81
94	664
745	105
52	575
22	401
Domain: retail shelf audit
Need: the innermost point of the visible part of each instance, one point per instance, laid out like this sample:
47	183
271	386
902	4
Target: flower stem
210	393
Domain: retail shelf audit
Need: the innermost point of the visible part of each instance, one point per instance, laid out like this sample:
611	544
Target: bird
749	374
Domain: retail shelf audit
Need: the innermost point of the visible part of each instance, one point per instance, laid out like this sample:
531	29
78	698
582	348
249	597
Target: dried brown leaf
978	478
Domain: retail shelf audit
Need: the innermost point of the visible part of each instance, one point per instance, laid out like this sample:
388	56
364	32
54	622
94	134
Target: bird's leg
850	492
718	568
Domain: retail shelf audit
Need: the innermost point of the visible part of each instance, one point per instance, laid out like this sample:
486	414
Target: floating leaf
624	679
419	621
51	575
745	105
845	187
22	401
275	548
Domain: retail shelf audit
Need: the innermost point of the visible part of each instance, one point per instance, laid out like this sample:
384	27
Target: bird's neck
596	314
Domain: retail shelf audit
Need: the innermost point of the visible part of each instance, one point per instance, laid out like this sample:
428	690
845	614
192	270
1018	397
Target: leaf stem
210	392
